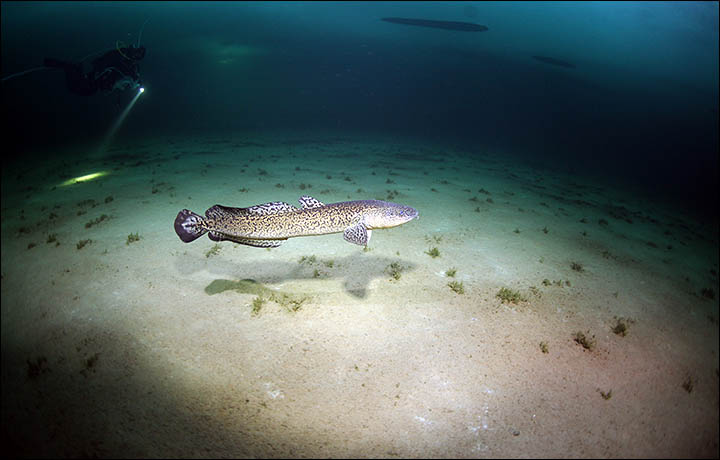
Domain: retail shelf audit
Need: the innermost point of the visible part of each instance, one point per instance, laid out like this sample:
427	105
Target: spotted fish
268	225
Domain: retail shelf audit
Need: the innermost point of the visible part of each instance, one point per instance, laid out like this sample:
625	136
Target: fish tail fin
188	226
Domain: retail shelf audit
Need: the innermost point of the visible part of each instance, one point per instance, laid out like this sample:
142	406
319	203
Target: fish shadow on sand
357	271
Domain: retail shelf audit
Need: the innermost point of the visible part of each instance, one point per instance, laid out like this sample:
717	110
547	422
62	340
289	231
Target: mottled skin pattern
329	218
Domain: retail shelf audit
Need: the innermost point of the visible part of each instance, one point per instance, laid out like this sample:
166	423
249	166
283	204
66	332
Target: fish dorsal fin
309	202
274	207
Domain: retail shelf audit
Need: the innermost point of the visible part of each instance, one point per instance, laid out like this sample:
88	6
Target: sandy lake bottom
525	313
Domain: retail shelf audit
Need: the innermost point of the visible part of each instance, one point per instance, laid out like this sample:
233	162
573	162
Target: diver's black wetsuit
113	70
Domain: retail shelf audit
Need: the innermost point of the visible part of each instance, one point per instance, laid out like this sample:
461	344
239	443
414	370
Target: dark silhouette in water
115	69
448	25
553	61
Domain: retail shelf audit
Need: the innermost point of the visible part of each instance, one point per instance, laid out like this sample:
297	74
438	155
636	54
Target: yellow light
85	178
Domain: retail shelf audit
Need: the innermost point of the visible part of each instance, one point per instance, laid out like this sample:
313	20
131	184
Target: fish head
386	215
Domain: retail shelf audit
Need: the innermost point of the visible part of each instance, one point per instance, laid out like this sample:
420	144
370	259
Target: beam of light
120	120
85	178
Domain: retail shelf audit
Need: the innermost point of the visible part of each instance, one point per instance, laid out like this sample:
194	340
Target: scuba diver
114	70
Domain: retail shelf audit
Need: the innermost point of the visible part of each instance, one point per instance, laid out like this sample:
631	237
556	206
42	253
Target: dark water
639	105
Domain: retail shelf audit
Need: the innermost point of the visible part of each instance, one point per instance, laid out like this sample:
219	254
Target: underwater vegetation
394	270
82	243
436	238
433	252
52	238
457	287
312	260
89	202
131	238
37	367
507	295
257	304
561	283
689	384
544	347
289	301
307	260
391	195
90	363
451	272
535	291
621	326
96	221
213	251
588	343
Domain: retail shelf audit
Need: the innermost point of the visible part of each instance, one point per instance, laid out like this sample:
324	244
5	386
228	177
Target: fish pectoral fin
358	234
